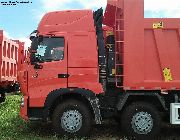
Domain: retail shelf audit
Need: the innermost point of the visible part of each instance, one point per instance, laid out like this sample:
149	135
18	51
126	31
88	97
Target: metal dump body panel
22	54
148	51
162	50
8	60
150	55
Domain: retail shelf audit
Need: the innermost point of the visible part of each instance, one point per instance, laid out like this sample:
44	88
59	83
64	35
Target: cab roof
67	21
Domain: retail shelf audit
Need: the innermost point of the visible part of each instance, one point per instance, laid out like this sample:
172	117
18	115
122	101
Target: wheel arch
85	96
149	97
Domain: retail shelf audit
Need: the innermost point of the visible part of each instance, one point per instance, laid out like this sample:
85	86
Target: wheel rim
71	121
142	123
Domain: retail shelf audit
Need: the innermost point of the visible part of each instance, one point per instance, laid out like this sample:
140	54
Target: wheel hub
142	123
71	121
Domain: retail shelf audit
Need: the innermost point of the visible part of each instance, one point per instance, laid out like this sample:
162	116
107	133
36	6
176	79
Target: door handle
63	75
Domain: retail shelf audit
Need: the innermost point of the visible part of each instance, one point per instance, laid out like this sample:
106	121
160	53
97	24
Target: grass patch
11	124
12	127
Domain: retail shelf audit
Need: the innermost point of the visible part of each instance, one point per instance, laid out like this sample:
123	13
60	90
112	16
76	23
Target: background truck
12	55
80	72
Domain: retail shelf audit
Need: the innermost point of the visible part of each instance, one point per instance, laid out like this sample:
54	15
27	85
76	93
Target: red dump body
10	56
149	47
22	54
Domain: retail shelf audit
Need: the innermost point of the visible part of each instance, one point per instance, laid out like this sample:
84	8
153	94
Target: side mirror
31	37
37	66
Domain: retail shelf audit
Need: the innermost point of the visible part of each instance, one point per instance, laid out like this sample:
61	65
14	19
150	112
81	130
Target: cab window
50	49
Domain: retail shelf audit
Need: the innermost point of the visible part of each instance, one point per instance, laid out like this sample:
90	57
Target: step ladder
119	47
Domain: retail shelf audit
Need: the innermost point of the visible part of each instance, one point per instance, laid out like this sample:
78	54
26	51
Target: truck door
48	71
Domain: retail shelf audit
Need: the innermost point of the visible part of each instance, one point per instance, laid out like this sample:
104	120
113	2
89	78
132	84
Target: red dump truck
11	58
84	67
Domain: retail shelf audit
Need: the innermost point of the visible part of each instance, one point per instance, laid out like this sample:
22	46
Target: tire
141	121
78	113
2	97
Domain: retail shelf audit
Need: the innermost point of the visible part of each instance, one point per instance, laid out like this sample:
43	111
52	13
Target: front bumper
24	108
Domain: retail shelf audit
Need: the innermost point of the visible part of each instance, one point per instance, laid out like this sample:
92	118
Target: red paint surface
80	56
10	56
147	51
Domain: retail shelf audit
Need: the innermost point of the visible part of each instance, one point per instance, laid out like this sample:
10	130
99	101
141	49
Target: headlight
22	102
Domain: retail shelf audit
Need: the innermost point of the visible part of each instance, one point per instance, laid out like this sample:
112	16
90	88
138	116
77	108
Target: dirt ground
110	130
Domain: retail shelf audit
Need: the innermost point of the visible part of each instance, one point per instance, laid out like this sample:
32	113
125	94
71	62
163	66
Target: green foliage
12	127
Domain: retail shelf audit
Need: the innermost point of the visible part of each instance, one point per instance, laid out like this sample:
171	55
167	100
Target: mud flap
96	108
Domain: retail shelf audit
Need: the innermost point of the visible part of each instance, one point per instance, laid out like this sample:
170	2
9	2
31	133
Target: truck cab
62	69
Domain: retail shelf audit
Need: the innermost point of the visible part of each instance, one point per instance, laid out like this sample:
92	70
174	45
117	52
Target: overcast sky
20	20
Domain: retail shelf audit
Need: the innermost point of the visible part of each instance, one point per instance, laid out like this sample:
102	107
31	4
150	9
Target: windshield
48	49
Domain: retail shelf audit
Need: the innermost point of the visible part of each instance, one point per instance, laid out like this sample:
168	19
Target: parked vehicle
132	75
11	56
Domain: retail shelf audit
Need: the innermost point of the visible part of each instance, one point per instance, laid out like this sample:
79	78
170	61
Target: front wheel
141	121
72	118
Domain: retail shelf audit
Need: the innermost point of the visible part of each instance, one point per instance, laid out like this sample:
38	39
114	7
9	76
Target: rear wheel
72	118
2	97
141	121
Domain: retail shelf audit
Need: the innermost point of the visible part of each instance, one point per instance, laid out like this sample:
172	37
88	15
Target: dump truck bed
8	60
152	56
150	47
151	53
